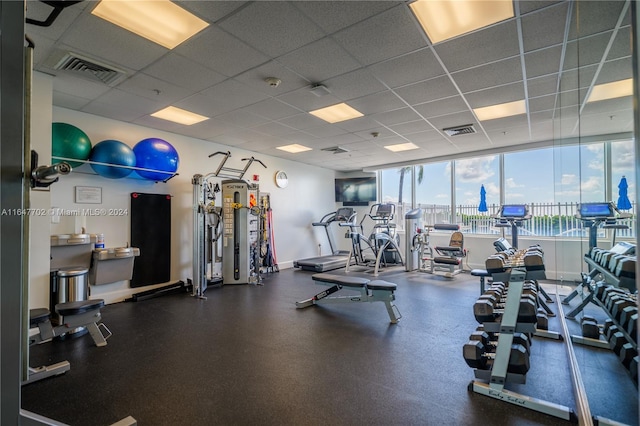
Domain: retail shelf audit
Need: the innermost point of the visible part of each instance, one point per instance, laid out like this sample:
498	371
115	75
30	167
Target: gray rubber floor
247	356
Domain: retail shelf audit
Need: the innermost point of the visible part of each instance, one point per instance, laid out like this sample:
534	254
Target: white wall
310	191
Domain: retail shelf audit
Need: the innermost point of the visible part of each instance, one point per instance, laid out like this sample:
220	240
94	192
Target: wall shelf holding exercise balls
87	167
152	159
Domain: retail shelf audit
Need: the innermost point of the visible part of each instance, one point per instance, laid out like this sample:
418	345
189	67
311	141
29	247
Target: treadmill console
343	214
513	211
596	211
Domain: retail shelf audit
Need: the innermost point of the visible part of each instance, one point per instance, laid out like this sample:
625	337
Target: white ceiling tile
154	89
479	47
221	52
242	118
496	95
415	66
490	75
289	80
586	51
430	90
354	84
592	17
540	86
384	36
273	109
378	102
544	28
273	28
396	116
183	72
211	11
335	15
319	60
543	62
442	107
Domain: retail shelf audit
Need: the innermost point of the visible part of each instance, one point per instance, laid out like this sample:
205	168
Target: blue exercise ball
159	156
112	152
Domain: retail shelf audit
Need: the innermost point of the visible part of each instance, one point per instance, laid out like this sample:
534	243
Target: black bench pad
480	273
78	307
446	260
381	285
341	280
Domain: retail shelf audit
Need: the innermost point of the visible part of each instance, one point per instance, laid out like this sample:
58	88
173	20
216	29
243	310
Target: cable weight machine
232	230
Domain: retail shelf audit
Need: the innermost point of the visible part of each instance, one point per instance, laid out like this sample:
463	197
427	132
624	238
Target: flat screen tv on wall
356	191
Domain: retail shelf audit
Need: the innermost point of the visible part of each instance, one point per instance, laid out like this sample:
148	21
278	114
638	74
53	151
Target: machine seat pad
342	280
38	315
381	285
480	273
446	260
78	307
448	249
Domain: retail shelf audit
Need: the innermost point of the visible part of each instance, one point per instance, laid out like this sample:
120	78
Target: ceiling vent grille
460	130
89	68
335	149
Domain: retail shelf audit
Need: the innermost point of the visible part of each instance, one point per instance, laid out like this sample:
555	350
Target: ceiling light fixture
160	21
294	148
615	89
178	115
500	110
402	147
336	113
442	20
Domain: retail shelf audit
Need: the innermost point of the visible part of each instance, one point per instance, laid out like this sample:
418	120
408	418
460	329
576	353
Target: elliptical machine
383	243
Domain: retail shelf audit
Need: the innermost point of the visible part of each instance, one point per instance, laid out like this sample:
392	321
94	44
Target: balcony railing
547	219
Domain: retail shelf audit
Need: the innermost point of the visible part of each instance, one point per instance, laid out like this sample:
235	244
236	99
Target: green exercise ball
69	142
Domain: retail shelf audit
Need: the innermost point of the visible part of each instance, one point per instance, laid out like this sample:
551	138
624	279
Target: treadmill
338	258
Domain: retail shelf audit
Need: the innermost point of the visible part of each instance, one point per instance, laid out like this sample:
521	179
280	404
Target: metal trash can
412	223
72	285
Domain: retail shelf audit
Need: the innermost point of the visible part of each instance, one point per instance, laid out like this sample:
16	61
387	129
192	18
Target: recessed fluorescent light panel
443	20
294	148
616	89
180	116
402	147
501	110
160	21
336	113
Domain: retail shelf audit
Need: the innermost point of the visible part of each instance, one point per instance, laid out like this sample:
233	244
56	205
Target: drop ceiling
371	55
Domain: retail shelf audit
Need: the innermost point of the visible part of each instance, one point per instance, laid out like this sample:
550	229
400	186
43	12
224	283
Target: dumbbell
633	369
625	316
477	355
632	327
618	304
590	327
617	341
608	291
627	352
542	319
486	311
491	339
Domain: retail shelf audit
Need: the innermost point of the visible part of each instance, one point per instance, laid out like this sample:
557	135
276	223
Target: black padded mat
151	233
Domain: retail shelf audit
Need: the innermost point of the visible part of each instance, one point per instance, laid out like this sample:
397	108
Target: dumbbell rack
492	382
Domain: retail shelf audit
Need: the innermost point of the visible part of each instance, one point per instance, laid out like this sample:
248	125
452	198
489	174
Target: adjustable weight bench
82	313
369	291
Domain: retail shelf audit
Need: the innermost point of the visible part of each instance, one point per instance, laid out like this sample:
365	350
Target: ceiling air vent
89	68
335	149
459	130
